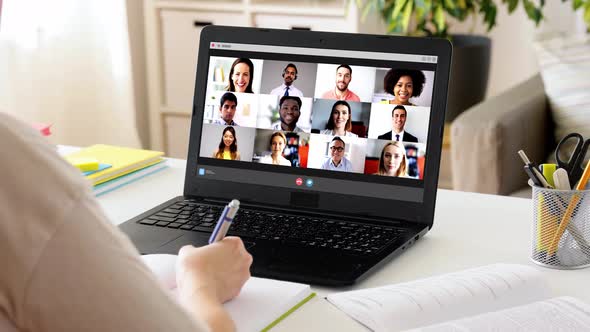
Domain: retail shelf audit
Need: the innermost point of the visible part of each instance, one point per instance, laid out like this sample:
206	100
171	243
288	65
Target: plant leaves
462	5
406	16
587	14
439	18
512	4
577	4
449	4
399	5
532	12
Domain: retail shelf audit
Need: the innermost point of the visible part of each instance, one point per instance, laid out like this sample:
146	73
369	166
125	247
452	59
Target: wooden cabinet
172	31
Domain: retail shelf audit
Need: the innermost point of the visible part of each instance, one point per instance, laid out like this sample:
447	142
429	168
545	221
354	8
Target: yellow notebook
123	160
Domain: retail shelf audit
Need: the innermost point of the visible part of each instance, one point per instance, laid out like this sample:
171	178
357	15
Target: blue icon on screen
201	171
309	182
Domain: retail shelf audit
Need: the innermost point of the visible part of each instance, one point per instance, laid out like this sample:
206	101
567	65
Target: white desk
469	230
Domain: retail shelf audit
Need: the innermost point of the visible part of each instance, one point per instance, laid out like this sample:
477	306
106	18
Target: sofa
485	140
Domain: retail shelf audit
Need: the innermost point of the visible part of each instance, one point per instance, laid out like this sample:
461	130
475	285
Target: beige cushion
564	64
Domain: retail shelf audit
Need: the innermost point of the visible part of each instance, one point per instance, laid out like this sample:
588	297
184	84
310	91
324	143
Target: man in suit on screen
399	116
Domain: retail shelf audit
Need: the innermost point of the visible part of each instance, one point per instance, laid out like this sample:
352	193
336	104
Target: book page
557	314
442	298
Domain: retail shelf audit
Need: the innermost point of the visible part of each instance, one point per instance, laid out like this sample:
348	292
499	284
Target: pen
225	220
533	173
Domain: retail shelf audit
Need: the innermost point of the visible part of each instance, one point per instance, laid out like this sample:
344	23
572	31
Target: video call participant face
289	112
289	75
403	90
398	118
393	160
337	150
228	143
227	107
241	75
341	117
343	77
404	84
228	138
277	144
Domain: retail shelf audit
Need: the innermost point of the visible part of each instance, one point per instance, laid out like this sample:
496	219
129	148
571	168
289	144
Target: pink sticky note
43	128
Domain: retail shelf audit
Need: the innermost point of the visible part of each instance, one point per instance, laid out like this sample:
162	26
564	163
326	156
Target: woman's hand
210	275
220	269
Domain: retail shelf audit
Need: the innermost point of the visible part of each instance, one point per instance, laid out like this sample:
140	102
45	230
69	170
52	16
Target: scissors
573	165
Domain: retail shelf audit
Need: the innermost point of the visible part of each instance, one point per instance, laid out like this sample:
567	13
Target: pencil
570	210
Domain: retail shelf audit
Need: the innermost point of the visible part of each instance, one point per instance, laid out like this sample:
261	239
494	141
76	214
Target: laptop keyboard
354	238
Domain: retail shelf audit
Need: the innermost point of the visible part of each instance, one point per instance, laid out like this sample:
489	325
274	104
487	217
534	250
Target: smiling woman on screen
278	141
228	146
403	84
241	76
340	122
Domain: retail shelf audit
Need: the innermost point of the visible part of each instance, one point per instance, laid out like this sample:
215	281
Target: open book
499	297
262	303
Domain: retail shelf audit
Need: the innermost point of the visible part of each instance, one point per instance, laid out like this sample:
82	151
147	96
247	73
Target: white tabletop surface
469	230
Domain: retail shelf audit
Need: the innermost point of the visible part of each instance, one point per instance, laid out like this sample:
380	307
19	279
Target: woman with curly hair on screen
403	84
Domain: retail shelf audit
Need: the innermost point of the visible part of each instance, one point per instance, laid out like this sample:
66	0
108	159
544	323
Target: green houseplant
471	53
431	17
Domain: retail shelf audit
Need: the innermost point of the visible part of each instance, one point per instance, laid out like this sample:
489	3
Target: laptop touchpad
194	238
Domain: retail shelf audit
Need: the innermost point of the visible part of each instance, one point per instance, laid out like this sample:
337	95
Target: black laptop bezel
423	213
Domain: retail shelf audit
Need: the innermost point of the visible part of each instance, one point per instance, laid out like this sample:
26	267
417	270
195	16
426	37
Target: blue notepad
100	168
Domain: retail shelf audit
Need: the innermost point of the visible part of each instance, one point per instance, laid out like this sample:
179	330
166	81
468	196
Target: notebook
261	305
122	160
123	180
499	297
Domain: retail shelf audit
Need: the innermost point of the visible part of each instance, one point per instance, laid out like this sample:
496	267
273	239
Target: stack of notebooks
118	166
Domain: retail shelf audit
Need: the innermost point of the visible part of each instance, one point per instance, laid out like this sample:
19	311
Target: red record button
299	181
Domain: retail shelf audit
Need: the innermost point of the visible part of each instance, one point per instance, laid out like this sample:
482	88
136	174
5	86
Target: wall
137	50
513	57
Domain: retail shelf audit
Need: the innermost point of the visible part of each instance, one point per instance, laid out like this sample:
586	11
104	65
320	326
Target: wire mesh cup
561	228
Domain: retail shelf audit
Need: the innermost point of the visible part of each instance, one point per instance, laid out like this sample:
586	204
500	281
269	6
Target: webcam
323	41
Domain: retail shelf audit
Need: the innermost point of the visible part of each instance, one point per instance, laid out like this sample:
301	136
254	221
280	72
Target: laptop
330	141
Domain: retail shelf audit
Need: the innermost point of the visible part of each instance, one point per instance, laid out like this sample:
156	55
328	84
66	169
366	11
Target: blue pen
225	220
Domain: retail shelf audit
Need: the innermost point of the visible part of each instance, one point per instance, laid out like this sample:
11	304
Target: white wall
513	58
137	50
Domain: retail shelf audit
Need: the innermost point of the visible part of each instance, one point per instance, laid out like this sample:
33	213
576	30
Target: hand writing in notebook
261	304
210	275
221	268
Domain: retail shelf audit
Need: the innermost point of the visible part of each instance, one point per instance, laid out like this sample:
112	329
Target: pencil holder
561	228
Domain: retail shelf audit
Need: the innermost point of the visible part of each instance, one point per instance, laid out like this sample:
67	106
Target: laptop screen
327	120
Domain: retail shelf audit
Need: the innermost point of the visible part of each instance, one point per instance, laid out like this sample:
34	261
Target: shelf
217	6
